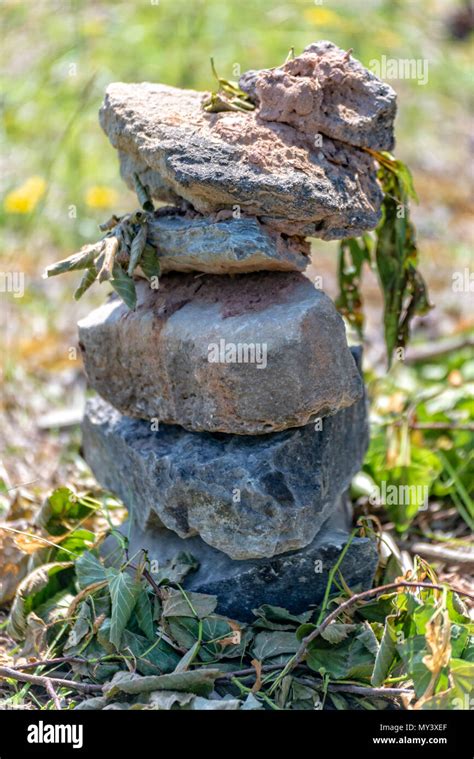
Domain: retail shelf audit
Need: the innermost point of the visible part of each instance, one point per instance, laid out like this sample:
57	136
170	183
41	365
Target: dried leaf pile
127	634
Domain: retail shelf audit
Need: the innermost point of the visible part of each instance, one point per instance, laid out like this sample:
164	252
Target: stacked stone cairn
230	416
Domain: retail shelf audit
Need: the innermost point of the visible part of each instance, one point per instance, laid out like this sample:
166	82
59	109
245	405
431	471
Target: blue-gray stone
192	242
293	580
248	496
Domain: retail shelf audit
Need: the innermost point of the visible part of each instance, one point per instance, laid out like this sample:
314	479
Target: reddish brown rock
248	354
326	91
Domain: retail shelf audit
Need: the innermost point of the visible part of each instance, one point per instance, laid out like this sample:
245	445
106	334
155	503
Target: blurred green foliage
59	55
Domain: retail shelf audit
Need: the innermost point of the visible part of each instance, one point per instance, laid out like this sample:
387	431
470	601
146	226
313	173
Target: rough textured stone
191	242
217	160
325	91
158	362
249	496
290	580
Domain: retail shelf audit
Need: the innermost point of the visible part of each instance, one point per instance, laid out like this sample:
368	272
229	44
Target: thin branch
468	427
154	585
51	662
443	553
360	690
50	688
23	677
243	673
297	660
146	574
442	348
303	649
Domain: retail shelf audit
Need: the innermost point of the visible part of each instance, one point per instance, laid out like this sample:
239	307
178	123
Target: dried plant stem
46	682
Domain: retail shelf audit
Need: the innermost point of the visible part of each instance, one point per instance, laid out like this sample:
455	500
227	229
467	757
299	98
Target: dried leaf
81	260
41	580
124	287
88	279
111	246
199	682
143	194
137	248
109	224
150	263
258	675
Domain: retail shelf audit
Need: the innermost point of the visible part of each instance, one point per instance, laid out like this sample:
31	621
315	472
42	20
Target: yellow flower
93	27
26	197
327	17
100	196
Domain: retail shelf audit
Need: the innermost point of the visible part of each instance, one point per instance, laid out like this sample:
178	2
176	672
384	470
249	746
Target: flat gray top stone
244	354
215	245
218	161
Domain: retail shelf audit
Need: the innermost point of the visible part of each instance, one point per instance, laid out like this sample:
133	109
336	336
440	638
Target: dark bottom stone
293	580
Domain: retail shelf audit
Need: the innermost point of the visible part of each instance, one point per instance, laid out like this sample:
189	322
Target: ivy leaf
176	569
179	604
336	632
89	570
124	591
277	618
386	653
268	644
157	659
144	614
412	652
353	657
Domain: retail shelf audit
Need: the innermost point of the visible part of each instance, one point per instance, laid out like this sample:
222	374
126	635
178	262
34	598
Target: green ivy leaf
387	652
124	591
180	604
89	570
144	614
